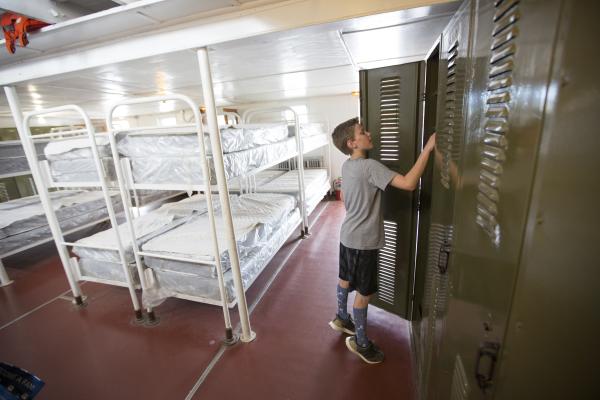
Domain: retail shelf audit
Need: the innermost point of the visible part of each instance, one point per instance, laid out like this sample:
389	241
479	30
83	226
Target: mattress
266	176
42	233
25	214
177	278
288	182
181	169
72	160
146	197
316	181
251	212
12	157
308	129
185	142
146	227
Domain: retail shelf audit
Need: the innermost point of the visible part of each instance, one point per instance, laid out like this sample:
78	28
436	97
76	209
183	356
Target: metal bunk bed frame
40	177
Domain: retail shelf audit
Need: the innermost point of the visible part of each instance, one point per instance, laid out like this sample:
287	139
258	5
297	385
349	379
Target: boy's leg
342	321
361	304
360	344
342	299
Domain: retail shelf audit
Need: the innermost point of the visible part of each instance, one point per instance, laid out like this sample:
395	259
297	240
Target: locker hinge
422	96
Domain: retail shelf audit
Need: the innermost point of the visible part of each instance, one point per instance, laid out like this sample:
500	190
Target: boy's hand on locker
430	143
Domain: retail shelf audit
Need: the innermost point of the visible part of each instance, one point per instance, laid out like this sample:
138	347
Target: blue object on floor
17	383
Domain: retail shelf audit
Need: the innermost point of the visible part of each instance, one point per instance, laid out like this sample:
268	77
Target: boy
361	237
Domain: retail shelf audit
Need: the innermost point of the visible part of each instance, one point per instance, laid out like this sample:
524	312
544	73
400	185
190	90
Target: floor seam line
223	348
59	297
34	310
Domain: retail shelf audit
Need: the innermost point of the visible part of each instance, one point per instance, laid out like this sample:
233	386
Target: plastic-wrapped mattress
12	157
187	170
308	129
261	220
146	227
71	160
315	185
185	142
23	222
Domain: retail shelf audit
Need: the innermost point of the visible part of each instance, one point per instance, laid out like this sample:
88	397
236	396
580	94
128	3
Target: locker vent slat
389	106
496	122
386	272
460	385
449	135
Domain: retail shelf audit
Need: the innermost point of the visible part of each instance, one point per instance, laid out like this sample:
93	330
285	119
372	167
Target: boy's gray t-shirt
363	182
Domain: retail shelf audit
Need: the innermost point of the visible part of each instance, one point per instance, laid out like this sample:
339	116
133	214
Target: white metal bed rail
27	140
125	179
246	117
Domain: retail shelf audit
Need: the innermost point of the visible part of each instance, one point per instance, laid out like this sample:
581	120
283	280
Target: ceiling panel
305	62
408	40
277	54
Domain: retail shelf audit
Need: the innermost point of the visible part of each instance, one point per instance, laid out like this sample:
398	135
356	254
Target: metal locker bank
492	259
510	308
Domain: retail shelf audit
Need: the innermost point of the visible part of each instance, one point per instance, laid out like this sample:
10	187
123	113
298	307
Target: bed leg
4	279
78	300
304	234
152	319
230	338
139	317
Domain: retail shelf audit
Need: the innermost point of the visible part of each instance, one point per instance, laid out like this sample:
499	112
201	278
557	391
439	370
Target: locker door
389	110
455	66
512	55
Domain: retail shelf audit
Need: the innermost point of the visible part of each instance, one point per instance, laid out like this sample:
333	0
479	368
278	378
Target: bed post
217	152
29	149
4	279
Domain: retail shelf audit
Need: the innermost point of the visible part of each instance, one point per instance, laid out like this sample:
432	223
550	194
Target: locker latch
486	362
443	257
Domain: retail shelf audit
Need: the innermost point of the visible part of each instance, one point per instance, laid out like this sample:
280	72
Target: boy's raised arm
410	180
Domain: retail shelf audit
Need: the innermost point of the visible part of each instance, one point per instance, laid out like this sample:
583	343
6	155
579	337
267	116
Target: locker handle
486	350
443	257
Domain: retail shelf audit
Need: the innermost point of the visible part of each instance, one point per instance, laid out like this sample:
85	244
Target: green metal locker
390	110
513	50
453	87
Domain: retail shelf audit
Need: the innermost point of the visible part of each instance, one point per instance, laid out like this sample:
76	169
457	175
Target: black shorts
359	267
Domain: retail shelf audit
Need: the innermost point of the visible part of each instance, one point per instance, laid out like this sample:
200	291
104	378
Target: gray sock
360	322
342	300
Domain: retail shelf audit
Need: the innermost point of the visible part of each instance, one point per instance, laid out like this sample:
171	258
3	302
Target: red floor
97	353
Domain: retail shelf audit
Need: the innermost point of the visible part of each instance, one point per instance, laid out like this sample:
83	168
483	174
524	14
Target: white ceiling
305	62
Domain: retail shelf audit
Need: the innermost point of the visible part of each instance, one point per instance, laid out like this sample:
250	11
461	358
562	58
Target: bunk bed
62	160
54	204
290	207
179	259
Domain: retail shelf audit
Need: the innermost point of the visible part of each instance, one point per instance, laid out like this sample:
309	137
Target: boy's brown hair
342	133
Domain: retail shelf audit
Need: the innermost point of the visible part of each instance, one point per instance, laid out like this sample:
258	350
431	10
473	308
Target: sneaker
370	354
343	325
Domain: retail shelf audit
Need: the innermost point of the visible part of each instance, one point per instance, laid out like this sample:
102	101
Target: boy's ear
349	143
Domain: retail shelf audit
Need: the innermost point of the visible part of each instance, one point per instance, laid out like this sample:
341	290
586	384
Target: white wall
330	109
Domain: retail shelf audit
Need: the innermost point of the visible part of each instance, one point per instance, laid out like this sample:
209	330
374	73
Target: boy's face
361	140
